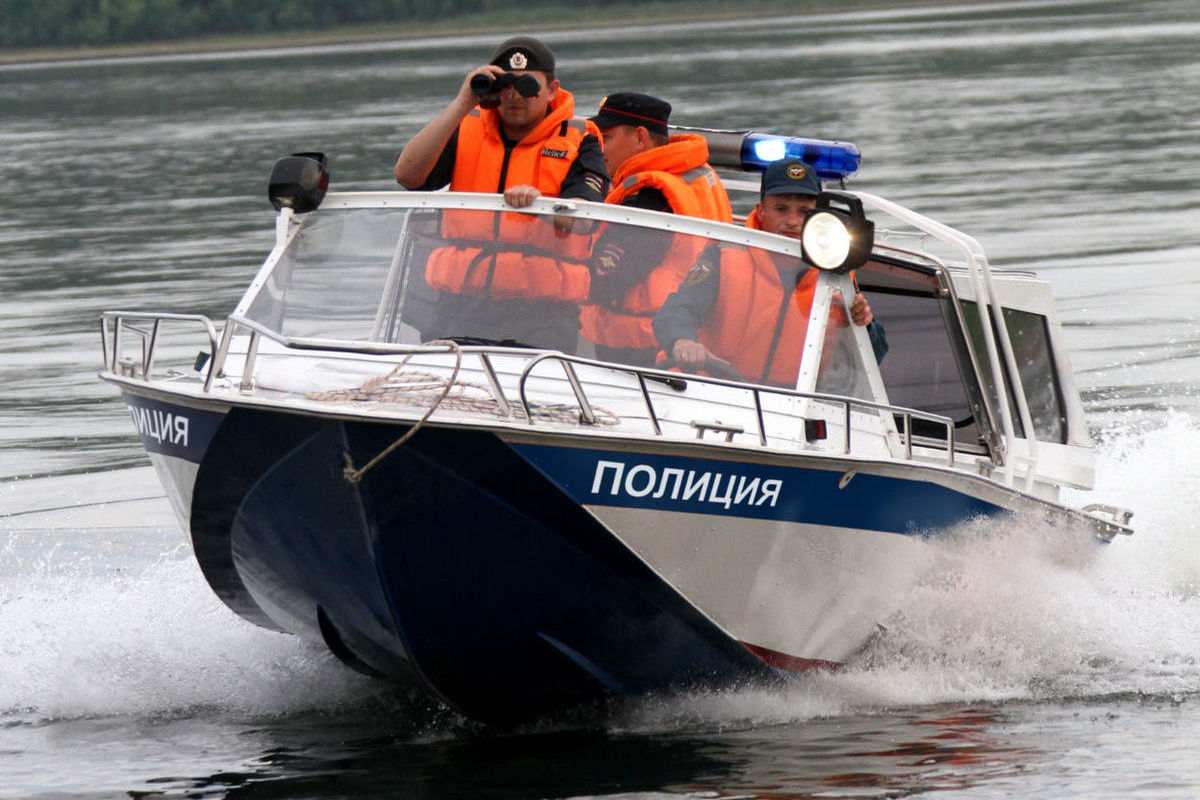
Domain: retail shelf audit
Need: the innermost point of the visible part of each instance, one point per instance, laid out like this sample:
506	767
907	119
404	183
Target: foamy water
89	635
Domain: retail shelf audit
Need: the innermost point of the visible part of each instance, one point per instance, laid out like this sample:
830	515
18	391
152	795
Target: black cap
790	176
524	52
633	108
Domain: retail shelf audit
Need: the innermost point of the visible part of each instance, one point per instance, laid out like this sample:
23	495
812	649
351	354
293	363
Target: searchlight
837	236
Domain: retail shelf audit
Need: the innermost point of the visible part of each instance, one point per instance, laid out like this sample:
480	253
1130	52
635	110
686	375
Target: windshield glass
841	370
603	288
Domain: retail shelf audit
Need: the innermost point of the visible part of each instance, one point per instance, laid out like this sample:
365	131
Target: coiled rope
413	387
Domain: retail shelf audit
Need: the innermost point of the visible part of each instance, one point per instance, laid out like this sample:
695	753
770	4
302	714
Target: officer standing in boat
650	169
731	305
510	129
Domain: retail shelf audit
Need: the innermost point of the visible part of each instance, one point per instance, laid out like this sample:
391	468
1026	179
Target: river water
1064	135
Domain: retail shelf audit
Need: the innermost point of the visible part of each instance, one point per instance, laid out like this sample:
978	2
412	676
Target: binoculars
488	89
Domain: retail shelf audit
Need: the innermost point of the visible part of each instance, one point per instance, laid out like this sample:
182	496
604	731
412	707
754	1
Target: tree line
54	23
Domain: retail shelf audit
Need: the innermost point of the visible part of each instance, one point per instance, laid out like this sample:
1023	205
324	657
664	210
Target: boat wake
85	635
1014	617
114	623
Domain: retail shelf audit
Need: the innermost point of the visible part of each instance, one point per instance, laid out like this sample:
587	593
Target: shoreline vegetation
502	23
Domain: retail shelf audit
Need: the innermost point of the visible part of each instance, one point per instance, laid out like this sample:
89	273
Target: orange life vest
680	171
756	325
512	255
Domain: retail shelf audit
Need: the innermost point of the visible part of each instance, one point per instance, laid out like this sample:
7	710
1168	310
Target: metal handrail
121	321
494	385
849	404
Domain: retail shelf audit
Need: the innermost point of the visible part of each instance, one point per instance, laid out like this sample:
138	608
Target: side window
927	363
1035	363
920	369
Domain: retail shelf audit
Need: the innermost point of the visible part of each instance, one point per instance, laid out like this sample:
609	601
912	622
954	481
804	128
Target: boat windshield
419	267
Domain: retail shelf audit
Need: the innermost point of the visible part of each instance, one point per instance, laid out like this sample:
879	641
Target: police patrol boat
514	531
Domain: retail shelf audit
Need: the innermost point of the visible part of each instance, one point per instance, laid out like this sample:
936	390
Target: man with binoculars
515	279
520	107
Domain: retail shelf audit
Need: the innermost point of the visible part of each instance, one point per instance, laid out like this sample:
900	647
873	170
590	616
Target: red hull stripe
779	660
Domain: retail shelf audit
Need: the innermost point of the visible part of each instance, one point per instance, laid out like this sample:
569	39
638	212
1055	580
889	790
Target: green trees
42	23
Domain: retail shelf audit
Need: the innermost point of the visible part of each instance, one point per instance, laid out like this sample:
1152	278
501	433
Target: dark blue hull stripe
171	429
756	491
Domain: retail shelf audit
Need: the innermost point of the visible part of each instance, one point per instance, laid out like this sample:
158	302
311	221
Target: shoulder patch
609	259
594	182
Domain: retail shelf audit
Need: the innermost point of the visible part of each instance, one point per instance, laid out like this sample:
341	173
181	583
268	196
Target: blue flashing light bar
833	161
751	152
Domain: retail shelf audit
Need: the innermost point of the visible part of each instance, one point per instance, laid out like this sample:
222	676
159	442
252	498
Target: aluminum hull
510	575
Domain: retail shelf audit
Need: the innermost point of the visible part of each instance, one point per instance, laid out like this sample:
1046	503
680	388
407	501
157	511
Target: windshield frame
831	288
290	226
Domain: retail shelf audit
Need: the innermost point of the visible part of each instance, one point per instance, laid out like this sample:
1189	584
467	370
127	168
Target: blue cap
790	176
